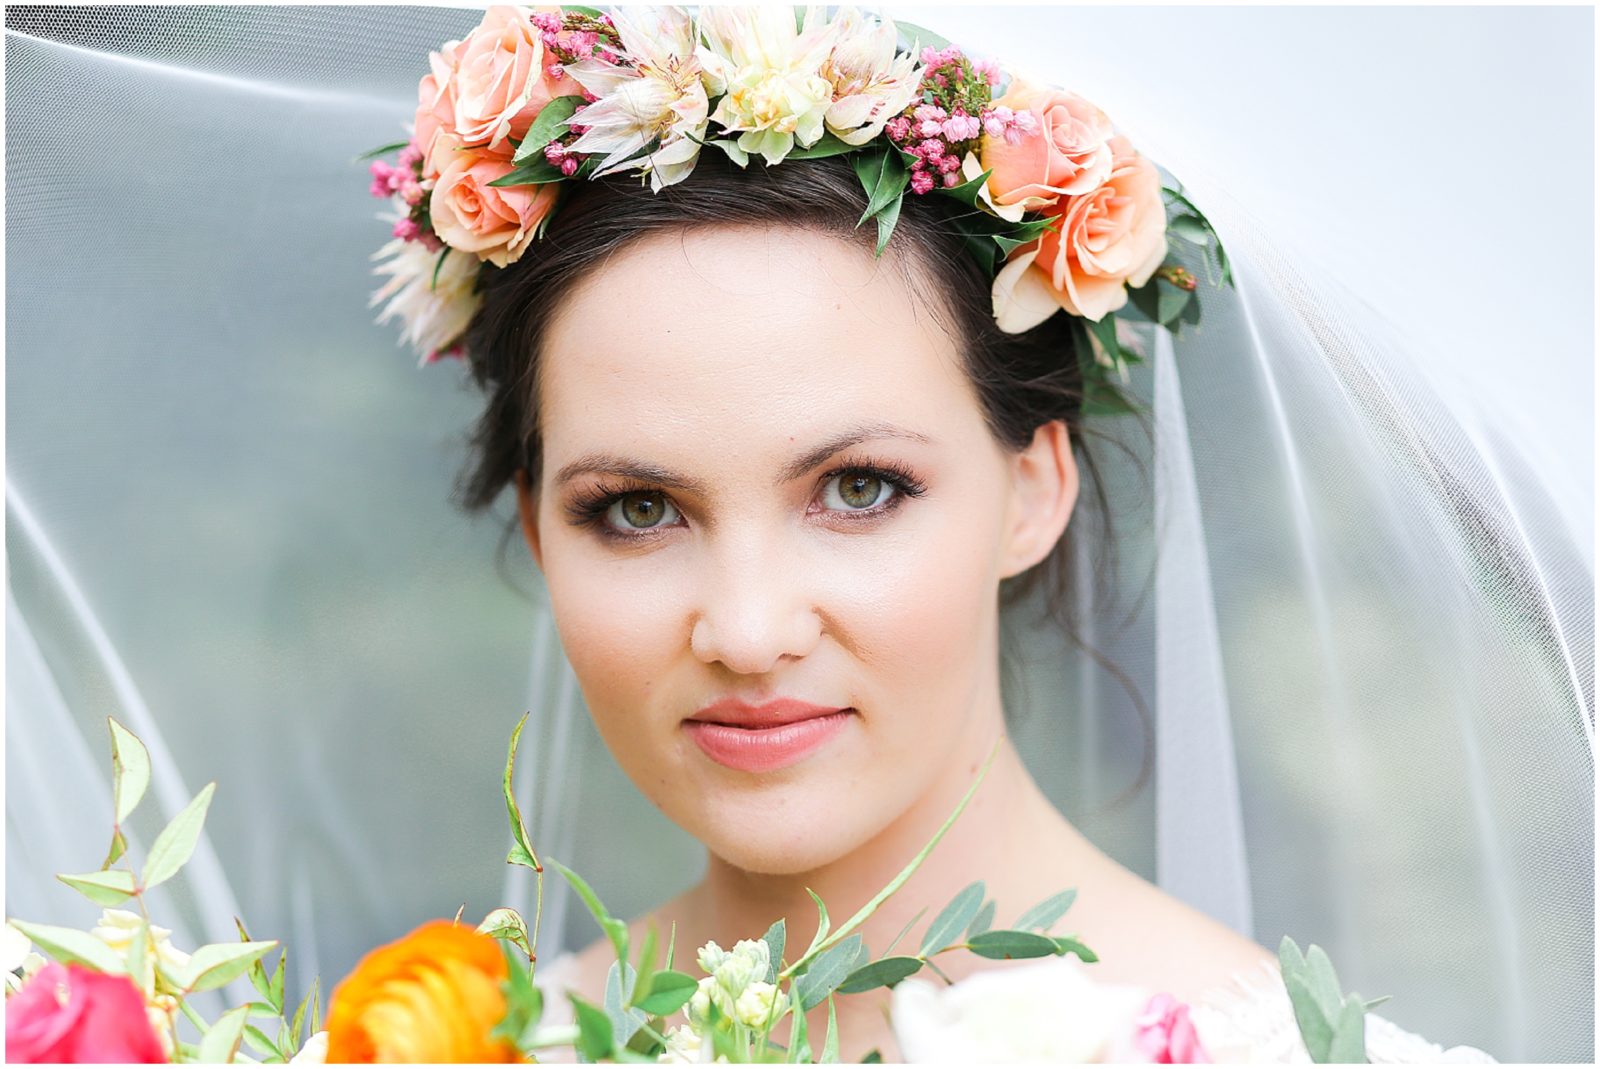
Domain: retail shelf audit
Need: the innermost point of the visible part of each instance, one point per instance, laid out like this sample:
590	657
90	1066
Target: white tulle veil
1344	683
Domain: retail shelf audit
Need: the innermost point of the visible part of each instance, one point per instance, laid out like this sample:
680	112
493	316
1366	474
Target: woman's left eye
856	491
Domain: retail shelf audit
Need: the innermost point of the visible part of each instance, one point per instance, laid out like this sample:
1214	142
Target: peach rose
1069	156
431	996
497	223
500	82
436	105
1110	238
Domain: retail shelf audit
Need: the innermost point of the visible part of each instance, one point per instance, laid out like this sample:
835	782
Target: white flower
16	952
434	312
769	74
116	929
708	993
760	1003
747	961
871	85
1045	1011
661	95
315	1051
687	1045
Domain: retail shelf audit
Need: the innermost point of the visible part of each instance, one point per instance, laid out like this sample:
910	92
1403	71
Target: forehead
748	337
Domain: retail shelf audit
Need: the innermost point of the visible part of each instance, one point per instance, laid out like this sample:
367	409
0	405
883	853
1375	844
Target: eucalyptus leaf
1315	1029
70	945
1323	981
1190	228
775	939
830	1041
952	921
175	845
221	1040
130	765
982	921
625	1020
549	124
522	852
1066	944
615	930
105	888
916	38
1005	944
669	992
885	972
217	963
915	917
1046	913
1349	1044
829	970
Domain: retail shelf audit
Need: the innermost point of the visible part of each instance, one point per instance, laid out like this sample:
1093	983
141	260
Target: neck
1002	837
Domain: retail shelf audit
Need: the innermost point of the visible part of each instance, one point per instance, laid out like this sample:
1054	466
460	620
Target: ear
528	509
1044	479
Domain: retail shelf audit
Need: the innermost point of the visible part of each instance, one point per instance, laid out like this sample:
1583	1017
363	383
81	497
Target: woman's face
767	476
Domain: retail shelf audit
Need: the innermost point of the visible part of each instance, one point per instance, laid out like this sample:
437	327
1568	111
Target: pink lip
753	738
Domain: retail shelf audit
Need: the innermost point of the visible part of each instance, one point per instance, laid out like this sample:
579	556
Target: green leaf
372	154
883	177
507	924
579	9
260	1043
645	971
218	963
967	192
732	149
221	1040
625	1020
130	764
521	848
1046	913
915	37
668	994
822	928
68	945
119	846
1190	228
953	919
549	124
980	245
540	172
175	845
1147	300
1191	312
1105	332
872	1057
594	1029
1315	1029
1349	1043
141	969
106	887
902	933
1066	944
982	921
886	221
828	971
615	930
1008	245
1005	944
826	145
433	282
1379	1001
275	995
830	1041
775	939
885	972
799	1045
1170	301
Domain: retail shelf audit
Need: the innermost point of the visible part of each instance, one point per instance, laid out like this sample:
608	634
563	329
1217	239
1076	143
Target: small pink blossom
932	147
921	182
407	230
930	111
1165	1035
569	166
951	179
899	128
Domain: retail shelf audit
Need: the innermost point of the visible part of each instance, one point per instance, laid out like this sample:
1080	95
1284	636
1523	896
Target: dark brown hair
1023	381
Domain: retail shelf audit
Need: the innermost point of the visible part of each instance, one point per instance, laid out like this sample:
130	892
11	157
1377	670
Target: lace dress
1248	1018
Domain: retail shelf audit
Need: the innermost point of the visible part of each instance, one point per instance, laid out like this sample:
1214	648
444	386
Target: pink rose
1110	238
470	214
1068	156
67	1013
436	105
500	82
1164	1034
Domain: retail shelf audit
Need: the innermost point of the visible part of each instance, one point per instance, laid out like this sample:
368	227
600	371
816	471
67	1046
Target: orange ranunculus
432	996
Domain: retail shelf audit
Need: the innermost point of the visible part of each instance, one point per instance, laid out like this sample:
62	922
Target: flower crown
1063	212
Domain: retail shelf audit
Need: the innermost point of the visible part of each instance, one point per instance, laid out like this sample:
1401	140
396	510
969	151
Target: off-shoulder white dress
1247	1018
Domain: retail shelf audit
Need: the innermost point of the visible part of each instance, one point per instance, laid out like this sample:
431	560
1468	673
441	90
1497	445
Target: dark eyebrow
611	464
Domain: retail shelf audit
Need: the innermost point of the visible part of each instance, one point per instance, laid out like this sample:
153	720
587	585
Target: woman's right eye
640	511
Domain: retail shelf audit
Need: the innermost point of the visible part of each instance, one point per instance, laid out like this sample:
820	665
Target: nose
754	611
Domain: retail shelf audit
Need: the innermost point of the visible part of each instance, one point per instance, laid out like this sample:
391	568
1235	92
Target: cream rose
1110	238
500	82
497	223
1069	156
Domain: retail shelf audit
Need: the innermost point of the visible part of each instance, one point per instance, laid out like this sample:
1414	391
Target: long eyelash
587	508
892	472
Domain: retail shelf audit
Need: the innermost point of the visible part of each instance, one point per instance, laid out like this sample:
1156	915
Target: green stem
905	874
559	1036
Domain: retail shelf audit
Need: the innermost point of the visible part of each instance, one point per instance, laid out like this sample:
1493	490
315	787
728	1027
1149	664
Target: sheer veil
1342	675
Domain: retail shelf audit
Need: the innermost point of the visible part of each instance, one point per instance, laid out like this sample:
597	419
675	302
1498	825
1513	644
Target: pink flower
67	1013
496	223
1110	238
1070	156
501	82
1164	1034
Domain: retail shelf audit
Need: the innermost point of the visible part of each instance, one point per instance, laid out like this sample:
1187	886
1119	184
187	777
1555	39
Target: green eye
643	510
857	490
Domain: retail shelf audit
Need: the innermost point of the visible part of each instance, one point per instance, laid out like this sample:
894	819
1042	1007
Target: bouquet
449	992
